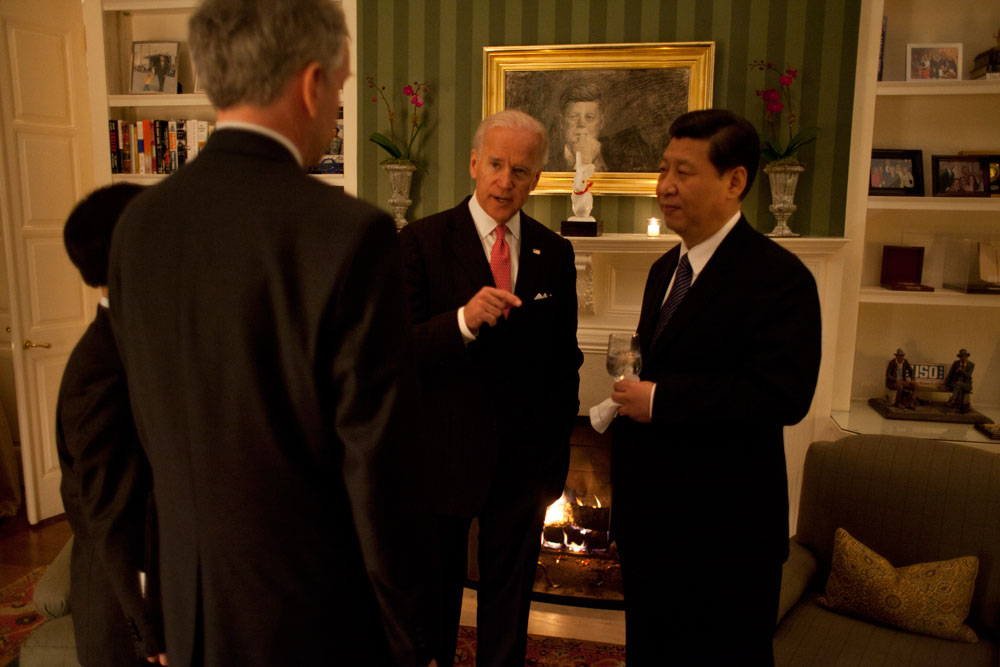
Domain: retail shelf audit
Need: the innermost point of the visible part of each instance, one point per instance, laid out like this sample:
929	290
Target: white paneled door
46	167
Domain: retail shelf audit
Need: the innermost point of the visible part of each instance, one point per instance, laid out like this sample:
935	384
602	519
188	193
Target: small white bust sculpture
583	200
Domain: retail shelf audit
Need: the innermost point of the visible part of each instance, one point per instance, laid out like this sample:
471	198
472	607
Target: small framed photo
154	68
896	172
929	62
961	175
994	158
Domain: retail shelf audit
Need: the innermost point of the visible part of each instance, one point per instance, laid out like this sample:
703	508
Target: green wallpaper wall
441	41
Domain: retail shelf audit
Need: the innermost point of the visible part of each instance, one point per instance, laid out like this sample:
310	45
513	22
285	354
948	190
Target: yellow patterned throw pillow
929	598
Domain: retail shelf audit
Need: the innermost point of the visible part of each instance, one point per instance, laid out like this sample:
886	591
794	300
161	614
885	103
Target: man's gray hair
512	119
245	51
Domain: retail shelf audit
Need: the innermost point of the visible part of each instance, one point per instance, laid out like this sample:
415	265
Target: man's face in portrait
581	119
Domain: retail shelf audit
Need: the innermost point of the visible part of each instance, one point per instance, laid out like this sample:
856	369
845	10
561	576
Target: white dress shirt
486	227
698	257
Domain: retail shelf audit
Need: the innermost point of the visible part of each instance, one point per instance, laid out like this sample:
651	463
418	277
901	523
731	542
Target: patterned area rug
548	652
18	617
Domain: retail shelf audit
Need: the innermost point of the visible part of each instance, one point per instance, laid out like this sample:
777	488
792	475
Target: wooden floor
24	547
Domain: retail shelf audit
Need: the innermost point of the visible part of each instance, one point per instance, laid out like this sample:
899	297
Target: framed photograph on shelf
960	175
931	62
896	172
154	68
613	103
994	158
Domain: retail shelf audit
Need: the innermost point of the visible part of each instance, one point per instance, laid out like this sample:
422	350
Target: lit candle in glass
653	228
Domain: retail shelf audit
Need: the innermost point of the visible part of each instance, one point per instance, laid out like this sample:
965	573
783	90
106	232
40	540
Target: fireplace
577	563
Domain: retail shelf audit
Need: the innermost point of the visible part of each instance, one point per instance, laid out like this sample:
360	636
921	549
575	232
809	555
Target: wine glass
624	358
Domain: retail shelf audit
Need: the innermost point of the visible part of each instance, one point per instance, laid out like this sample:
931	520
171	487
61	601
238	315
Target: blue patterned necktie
682	281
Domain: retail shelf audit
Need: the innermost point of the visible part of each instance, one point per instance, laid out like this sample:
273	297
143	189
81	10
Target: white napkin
602	414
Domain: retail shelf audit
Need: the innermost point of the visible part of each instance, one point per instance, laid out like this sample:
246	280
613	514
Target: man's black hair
733	141
87	234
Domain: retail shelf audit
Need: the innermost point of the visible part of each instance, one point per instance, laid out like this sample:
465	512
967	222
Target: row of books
155	146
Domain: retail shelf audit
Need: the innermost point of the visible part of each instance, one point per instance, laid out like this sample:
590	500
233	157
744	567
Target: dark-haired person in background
106	481
730	338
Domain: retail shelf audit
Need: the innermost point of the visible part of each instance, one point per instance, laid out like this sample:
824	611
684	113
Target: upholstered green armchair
911	501
52	644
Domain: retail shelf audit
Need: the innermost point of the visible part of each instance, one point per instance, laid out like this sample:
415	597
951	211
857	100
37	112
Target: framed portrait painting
612	103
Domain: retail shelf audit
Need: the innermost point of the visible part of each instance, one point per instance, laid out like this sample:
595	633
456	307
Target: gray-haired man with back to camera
258	317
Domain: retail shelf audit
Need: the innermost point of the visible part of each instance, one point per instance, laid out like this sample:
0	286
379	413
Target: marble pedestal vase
784	178
400	178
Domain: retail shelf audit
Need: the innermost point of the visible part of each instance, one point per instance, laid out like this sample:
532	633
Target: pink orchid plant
414	93
777	101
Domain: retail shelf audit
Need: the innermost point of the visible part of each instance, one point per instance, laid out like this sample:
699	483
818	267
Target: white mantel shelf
611	272
626	243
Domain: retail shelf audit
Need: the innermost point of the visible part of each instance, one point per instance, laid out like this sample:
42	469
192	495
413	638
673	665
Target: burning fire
576	530
558	512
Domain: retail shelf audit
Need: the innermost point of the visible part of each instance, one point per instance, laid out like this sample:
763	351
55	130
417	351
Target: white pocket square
542	295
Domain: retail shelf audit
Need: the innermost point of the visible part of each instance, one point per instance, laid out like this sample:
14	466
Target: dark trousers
686	607
509	540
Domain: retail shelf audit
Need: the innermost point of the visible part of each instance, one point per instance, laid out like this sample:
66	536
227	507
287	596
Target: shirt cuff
652	392
467	335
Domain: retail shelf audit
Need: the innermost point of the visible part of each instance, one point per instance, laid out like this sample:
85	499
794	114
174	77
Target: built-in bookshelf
937	117
118	112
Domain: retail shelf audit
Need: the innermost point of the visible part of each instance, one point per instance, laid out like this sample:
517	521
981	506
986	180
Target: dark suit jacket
736	363
508	400
890	373
955	374
105	484
260	322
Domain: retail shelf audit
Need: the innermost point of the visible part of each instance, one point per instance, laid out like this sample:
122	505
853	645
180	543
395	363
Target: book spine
192	139
181	143
113	142
125	138
121	147
159	143
881	49
133	127
172	143
140	148
147	131
202	134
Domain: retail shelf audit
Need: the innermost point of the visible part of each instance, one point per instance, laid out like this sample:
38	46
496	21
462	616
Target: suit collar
529	259
265	131
701	253
240	141
486	224
467	246
715	277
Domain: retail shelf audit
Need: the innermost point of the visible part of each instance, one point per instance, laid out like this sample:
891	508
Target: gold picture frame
644	87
